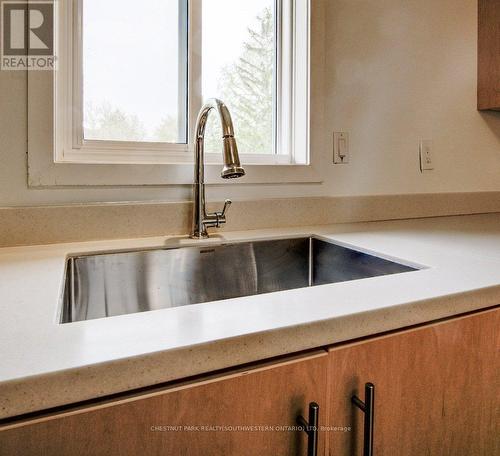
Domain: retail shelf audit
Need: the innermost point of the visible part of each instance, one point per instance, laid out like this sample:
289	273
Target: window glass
239	61
134	57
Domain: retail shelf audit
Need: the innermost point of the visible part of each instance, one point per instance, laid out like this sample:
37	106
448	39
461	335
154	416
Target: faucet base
202	235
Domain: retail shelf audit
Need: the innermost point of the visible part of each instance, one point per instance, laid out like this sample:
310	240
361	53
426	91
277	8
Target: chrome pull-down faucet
231	169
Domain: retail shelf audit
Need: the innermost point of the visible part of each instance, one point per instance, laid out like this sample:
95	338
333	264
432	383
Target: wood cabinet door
202	419
436	390
488	74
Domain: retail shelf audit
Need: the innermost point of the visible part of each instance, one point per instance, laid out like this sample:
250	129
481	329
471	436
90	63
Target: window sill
82	175
158	156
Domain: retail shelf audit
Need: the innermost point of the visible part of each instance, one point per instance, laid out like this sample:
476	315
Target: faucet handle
221	216
227	203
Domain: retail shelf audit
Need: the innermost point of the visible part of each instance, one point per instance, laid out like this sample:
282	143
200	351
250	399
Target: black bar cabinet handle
311	428
368	407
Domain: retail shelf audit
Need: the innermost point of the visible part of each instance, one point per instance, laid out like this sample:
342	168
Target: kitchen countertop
45	364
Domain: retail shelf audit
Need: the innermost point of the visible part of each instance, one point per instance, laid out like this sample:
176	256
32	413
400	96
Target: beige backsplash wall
87	222
396	72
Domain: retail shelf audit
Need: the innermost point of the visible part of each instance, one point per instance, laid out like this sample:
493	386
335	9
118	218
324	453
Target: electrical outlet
426	160
340	148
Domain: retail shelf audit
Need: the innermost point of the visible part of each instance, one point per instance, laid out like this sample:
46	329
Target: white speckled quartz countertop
45	364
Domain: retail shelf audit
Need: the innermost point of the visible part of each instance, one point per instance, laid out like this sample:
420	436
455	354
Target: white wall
400	71
396	71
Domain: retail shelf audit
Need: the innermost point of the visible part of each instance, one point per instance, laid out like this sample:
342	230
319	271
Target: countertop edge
38	393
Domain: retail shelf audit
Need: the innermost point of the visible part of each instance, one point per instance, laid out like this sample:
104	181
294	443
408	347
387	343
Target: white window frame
292	95
46	170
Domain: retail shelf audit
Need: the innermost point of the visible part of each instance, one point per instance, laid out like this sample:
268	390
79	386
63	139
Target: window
132	77
134	73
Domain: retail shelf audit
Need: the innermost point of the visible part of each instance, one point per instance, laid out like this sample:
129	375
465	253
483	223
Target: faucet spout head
232	167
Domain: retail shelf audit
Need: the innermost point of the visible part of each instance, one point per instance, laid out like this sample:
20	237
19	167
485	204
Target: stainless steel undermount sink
110	284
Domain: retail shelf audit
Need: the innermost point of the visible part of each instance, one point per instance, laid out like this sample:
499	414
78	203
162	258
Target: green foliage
105	122
247	87
167	131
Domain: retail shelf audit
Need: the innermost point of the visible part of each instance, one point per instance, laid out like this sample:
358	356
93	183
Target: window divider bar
183	72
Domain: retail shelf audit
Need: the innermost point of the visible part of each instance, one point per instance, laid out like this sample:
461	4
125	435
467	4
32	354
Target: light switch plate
341	148
426	160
